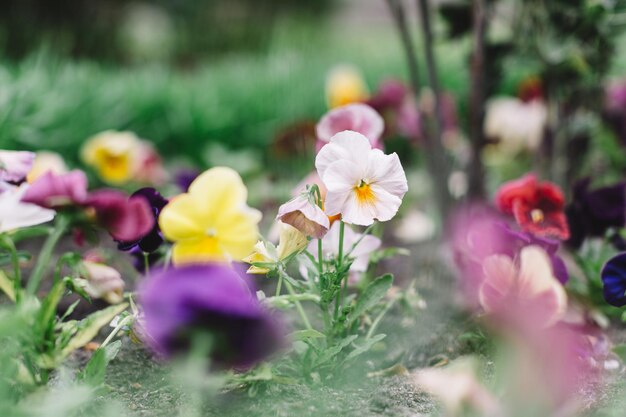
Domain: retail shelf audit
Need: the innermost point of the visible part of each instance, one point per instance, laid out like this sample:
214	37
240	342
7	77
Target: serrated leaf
89	327
306	334
372	294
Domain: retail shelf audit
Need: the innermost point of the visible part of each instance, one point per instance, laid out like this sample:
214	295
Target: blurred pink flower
458	389
15	165
55	190
526	294
150	168
390	95
357	117
126	219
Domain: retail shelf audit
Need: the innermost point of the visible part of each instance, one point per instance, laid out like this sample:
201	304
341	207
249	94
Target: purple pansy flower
212	299
185	177
593	212
153	239
614	280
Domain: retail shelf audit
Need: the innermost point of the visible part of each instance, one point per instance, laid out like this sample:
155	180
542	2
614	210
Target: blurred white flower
15	214
458	388
414	227
103	282
517	125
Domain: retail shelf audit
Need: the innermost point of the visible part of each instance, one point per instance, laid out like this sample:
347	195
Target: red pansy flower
538	207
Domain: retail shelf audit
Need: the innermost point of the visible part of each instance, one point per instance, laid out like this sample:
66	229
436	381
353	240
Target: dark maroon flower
538	207
153	239
126	219
209	299
594	212
390	96
57	190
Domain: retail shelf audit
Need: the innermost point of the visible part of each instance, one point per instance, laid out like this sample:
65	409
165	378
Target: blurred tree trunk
477	100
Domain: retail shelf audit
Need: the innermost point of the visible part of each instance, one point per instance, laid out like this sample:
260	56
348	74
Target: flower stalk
43	261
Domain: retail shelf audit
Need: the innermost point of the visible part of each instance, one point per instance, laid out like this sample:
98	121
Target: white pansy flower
363	183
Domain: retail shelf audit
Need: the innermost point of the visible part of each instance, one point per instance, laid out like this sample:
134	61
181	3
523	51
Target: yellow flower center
536	216
364	193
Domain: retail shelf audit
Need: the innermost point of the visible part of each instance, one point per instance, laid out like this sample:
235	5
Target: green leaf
22	256
6	285
387	253
95	370
306	334
372	294
333	351
89	327
366	346
30	232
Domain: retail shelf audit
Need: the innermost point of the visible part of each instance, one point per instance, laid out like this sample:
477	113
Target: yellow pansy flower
345	85
114	155
291	242
211	222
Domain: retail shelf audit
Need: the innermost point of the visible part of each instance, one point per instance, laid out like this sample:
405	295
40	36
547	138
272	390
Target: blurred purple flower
184	178
15	165
52	190
153	239
126	219
593	212
211	299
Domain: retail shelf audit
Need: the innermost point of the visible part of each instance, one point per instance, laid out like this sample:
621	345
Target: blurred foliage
128	30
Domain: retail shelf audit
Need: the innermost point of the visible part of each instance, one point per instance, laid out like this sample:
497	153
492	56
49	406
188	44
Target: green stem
46	253
279	284
301	311
146	264
339	298
355	244
126	320
379	318
8	243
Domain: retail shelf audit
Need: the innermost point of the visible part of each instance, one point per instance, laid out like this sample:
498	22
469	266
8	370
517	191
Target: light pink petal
361	253
386	171
386	205
357	117
346	145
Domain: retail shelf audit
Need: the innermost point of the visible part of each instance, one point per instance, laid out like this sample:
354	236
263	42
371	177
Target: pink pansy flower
363	183
15	165
53	190
527	293
16	214
126	219
357	117
302	213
